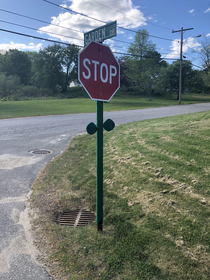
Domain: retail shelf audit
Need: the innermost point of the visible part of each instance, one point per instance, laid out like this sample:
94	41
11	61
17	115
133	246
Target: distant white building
2	51
74	84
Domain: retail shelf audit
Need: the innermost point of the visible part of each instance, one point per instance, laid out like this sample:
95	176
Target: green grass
156	203
13	109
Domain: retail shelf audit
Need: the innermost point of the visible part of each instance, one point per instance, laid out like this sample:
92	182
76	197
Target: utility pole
180	70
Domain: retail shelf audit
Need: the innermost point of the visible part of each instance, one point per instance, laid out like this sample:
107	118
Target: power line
171	51
54	41
39	38
17	14
130	17
50	24
68	9
59	42
120	41
39	20
60	35
108	7
39	30
197	66
136	55
145	34
186	54
48	32
193	48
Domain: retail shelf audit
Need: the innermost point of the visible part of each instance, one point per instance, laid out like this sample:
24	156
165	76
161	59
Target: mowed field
27	108
156	203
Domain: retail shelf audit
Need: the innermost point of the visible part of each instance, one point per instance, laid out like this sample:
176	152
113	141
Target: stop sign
99	71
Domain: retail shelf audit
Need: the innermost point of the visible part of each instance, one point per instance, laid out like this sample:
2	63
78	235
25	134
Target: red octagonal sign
99	71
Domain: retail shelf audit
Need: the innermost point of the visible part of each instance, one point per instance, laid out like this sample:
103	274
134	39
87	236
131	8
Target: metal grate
76	218
40	152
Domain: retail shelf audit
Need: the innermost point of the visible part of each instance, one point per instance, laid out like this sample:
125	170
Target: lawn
156	203
27	108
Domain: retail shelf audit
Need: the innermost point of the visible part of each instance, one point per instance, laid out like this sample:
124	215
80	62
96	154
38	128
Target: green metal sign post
99	166
99	73
91	128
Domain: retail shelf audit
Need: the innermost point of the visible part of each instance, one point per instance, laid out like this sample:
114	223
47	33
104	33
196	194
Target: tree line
143	71
44	73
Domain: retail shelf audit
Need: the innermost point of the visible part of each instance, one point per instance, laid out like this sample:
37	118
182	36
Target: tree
35	71
143	67
206	80
137	62
153	66
153	59
142	45
169	77
55	66
124	79
205	53
163	81
15	62
70	64
197	84
149	81
8	84
205	56
48	68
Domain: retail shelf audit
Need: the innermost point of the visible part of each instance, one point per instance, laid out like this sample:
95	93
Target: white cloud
12	45
127	16
175	47
208	35
119	31
207	10
65	20
64	6
109	42
190	43
191	11
152	17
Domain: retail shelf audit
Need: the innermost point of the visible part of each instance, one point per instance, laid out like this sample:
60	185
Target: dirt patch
207	170
167	139
199	253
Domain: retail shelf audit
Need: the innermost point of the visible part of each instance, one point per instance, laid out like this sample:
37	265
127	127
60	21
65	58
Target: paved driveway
19	168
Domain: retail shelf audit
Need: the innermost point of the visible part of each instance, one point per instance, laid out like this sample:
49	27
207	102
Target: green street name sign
102	33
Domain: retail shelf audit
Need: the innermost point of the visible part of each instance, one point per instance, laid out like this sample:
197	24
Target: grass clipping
156	203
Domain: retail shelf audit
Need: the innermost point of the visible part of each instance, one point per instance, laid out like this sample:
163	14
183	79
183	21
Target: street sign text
102	33
101	71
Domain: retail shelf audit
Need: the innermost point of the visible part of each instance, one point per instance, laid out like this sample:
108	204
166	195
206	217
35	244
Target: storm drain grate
40	152
76	218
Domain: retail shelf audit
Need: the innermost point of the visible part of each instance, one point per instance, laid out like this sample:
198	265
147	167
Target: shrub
30	91
8	84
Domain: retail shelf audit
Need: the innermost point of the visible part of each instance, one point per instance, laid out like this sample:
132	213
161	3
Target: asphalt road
19	169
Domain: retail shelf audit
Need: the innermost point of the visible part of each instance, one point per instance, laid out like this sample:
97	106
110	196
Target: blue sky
159	18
